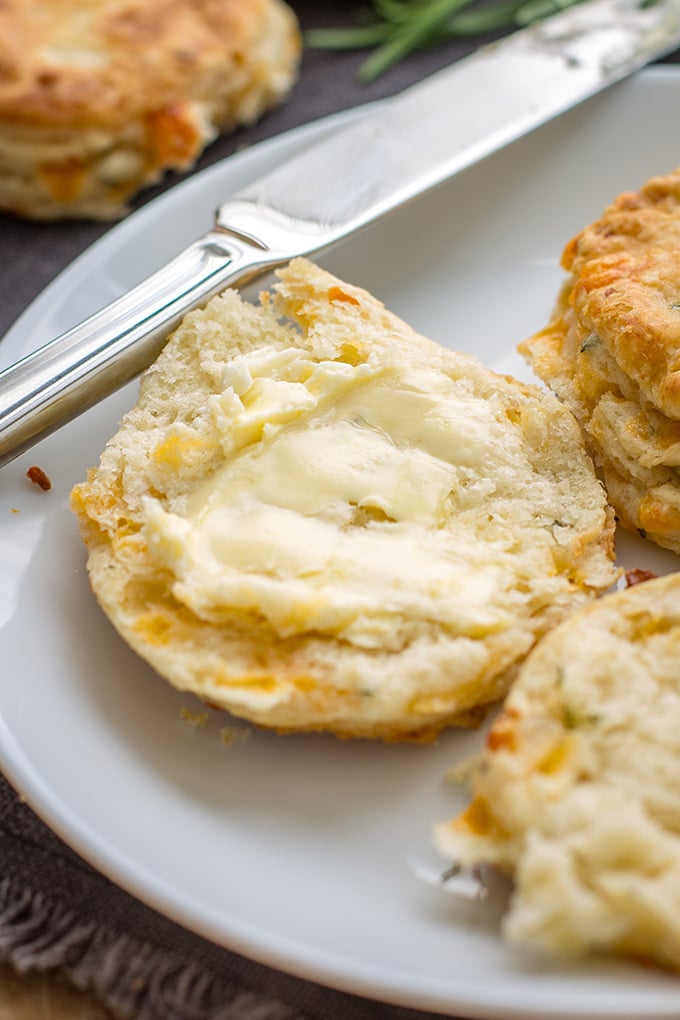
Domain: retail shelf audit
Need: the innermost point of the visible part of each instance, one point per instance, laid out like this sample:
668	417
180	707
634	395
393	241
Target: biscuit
612	352
320	520
99	99
577	793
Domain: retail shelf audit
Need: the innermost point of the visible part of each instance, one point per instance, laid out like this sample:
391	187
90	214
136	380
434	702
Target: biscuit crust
98	99
612	352
353	569
577	792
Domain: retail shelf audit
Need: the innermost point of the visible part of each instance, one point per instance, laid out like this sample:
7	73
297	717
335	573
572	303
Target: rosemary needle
394	28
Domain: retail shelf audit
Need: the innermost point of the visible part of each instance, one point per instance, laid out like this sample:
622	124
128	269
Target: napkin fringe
131	977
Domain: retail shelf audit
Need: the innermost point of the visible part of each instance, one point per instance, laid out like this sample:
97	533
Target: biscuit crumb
638	575
234	734
39	478
193	719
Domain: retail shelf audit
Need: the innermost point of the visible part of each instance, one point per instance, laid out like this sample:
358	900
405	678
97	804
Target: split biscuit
98	98
577	793
320	520
612	352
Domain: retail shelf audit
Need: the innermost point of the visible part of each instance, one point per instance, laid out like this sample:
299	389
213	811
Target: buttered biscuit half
320	520
99	98
611	351
577	795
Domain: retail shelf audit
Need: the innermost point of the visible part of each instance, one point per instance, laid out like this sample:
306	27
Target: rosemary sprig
394	28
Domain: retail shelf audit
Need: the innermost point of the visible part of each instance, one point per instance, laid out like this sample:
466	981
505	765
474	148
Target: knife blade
404	146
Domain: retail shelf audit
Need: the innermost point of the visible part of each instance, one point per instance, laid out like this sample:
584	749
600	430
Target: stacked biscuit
98	98
612	353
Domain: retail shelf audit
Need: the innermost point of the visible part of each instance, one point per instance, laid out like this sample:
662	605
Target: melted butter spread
332	511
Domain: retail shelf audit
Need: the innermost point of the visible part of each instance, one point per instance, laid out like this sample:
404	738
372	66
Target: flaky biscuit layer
612	352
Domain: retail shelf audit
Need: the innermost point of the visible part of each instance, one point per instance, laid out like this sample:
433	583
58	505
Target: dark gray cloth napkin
56	912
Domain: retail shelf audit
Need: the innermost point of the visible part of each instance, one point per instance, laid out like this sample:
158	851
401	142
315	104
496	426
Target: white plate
296	851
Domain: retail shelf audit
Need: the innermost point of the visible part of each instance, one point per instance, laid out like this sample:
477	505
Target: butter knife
401	148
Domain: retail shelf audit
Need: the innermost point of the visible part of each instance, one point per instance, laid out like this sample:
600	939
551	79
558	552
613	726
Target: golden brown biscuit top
626	286
103	61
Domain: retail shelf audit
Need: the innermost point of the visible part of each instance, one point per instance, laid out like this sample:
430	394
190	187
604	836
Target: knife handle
72	372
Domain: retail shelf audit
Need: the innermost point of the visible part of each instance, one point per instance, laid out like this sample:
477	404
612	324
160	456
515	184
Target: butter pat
333	511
